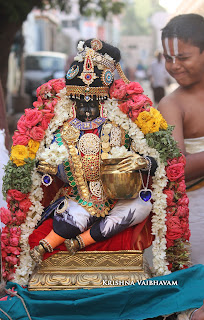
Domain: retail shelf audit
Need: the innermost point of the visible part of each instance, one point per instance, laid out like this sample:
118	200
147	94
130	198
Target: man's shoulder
173	100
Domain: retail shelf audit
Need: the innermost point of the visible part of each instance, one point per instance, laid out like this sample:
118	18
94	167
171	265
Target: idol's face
87	111
184	62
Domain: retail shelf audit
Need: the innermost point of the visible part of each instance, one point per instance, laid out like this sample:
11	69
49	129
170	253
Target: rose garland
22	183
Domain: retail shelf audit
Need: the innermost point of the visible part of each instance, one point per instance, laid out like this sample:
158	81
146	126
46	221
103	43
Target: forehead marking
175	48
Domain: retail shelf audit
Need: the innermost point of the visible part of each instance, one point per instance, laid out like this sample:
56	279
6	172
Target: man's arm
174	115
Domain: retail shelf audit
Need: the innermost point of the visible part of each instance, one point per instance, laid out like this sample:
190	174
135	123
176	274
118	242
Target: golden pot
119	185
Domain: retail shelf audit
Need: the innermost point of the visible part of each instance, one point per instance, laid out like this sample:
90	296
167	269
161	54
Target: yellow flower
142	118
33	146
163	124
18	154
151	121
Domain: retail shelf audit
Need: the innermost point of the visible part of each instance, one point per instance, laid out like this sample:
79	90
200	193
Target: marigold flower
18	154
33	146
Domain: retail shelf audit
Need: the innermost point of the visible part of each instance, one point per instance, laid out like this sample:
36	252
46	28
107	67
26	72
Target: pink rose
44	90
183	201
21	126
170	197
5	216
57	84
39	103
19	138
37	133
175	171
141	100
134	87
33	117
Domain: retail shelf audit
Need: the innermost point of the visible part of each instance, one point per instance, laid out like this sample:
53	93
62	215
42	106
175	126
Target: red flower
21	125
175	171
14	194
170	197
24	205
174	228
181	186
183	201
182	211
134	87
118	89
5	216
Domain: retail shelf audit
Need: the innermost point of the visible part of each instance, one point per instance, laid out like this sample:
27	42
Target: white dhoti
196	208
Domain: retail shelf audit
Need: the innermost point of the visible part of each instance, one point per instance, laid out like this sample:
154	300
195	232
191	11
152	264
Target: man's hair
187	27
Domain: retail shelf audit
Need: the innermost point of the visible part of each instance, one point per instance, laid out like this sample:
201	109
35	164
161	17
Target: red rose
24	205
174	228
134	87
181	187
5	216
183	201
182	211
12	259
37	133
16	195
175	171
20	217
170	197
33	117
19	138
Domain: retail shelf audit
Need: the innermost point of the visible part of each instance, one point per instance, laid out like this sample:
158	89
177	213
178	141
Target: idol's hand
45	167
131	163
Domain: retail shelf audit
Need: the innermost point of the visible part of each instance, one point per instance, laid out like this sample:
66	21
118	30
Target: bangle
192	313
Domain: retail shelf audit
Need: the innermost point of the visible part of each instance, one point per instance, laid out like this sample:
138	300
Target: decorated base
91	269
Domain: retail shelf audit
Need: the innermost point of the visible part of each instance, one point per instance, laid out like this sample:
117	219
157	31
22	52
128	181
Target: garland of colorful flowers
130	109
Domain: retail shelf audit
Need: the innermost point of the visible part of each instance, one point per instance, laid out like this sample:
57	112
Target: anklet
46	245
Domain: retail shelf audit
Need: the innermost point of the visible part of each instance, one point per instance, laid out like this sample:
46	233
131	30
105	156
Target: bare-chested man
183	44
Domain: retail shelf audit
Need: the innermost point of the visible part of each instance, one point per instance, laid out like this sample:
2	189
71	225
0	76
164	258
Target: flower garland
22	182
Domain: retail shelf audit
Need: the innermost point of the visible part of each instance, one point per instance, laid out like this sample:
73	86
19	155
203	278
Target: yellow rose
33	146
18	154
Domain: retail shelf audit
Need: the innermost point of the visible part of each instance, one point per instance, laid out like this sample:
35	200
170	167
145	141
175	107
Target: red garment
121	241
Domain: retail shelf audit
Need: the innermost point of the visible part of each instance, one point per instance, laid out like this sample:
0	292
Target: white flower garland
63	111
159	182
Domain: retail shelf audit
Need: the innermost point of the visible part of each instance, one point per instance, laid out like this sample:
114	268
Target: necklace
145	194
